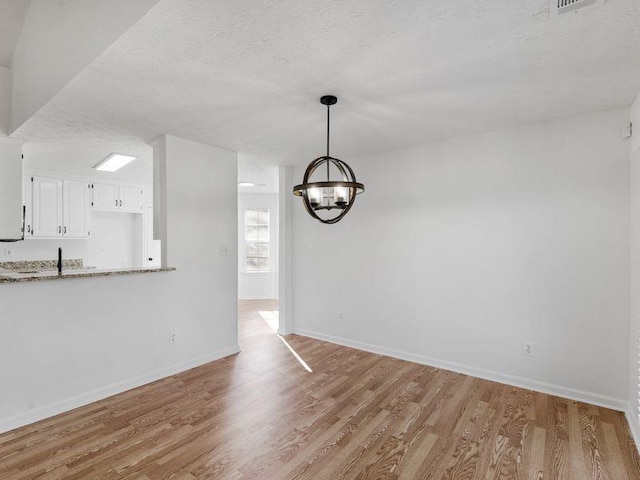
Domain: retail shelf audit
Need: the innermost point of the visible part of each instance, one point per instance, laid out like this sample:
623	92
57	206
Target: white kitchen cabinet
130	199
152	248
47	207
104	196
56	208
116	198
27	203
76	215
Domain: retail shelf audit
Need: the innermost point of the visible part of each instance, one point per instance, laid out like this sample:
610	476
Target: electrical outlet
341	316
528	348
8	252
172	338
223	250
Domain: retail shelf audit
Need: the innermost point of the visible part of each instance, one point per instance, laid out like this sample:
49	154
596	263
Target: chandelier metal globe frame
328	195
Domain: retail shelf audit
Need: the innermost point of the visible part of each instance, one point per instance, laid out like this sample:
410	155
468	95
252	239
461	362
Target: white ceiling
12	13
247	75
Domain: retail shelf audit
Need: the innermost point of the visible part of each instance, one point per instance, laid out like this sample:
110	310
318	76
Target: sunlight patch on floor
295	354
272	319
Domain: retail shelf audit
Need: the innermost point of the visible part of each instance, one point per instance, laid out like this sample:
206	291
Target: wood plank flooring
261	415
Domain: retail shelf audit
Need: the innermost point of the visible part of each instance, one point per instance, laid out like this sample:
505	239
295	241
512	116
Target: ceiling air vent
560	7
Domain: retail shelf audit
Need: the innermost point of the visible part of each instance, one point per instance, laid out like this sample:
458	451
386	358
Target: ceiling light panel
114	162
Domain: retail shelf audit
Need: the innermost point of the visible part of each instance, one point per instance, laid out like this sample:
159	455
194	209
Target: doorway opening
258	251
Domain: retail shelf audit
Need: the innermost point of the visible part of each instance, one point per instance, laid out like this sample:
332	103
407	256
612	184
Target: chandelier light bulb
315	197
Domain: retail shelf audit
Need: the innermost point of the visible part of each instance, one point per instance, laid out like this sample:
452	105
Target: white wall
635	120
58	40
285	250
461	250
10	189
116	240
69	342
634	324
255	285
5	100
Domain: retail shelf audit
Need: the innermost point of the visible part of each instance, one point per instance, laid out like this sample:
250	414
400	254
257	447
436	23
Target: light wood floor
261	415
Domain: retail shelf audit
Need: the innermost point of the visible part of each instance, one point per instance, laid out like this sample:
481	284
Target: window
256	240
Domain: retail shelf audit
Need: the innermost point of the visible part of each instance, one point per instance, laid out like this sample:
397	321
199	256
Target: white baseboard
46	411
529	384
258	298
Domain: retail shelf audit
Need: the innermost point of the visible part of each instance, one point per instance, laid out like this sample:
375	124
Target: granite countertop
39	270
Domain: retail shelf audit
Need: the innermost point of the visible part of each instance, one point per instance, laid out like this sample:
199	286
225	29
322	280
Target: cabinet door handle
28	228
150	259
116	202
59	229
120	202
65	229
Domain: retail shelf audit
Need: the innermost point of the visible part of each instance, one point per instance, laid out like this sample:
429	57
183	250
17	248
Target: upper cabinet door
76	213
130	199
47	207
105	197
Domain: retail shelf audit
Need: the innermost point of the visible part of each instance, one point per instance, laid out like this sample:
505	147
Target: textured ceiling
247	75
12	13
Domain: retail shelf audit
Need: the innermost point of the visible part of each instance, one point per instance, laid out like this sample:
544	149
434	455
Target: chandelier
329	200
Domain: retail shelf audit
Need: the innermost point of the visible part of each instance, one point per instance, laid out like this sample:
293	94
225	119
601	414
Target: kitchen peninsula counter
9	276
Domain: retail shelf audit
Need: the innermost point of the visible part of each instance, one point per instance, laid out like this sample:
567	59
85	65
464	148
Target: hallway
250	323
